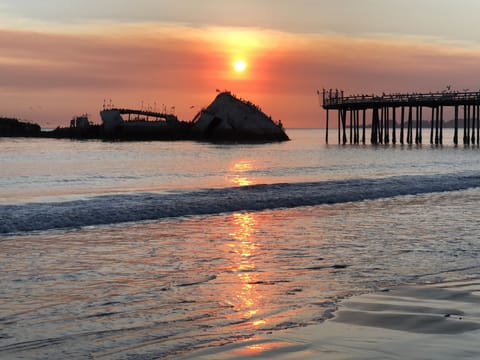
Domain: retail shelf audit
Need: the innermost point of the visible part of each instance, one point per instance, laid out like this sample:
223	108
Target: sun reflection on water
245	296
260	348
238	172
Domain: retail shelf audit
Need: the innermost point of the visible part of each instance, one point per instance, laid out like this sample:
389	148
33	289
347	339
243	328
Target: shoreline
434	321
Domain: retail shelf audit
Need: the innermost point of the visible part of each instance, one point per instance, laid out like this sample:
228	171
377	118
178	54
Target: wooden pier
400	117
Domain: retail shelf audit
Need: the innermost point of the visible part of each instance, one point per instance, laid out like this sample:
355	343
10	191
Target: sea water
144	250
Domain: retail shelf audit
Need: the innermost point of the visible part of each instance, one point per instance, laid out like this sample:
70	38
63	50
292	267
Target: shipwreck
227	119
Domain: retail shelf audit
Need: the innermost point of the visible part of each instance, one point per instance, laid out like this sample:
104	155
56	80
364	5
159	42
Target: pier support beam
394	125
409	126
466	115
339	113
417	125
402	124
356	134
326	129
375	123
352	127
474	116
364	118
432	122
384	125
469	120
455	131
478	125
441	126
380	126
420	136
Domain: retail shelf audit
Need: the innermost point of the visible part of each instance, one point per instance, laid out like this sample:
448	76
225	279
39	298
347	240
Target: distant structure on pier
384	109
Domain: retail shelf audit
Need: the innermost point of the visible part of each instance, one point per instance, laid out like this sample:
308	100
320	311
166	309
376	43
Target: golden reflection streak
238	170
258	349
245	296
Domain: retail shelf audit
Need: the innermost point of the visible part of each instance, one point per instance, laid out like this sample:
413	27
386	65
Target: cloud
445	19
73	72
39	60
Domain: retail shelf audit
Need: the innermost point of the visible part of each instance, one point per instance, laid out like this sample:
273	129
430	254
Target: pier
403	117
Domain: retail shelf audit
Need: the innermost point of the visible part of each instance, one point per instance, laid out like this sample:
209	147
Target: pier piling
326	130
402	124
409	126
364	118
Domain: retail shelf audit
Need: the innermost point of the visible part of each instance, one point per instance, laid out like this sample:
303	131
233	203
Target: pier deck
408	108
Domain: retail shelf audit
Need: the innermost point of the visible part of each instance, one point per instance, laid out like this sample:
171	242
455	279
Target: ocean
146	250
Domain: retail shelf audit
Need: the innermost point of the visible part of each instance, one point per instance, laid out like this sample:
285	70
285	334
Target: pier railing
335	100
384	109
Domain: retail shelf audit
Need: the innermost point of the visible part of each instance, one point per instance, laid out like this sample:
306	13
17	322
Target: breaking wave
112	209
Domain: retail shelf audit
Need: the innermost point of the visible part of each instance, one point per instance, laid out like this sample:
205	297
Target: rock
231	119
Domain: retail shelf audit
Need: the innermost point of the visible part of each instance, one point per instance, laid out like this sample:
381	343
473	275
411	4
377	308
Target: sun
239	66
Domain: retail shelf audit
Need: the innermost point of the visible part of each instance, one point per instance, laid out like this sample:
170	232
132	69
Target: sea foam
112	209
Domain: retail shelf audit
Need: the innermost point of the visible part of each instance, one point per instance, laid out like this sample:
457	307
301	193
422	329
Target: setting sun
240	66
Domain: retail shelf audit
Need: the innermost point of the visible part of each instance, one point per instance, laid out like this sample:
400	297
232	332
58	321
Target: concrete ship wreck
140	125
10	127
227	118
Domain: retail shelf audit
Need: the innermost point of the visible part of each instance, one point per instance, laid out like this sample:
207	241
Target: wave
112	209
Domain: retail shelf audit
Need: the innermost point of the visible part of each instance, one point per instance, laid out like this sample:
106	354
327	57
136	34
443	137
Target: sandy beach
440	321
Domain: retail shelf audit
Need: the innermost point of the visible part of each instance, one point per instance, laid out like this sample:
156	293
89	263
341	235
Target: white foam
111	209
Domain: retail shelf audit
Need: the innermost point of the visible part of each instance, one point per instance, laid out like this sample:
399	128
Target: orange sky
51	73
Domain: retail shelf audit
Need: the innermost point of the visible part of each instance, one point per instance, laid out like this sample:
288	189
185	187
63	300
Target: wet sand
440	321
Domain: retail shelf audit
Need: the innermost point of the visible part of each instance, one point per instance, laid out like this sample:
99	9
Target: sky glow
64	58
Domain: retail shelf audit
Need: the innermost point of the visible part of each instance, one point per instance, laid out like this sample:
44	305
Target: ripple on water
159	288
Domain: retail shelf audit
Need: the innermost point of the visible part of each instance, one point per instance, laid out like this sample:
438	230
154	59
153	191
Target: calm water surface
167	286
42	169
